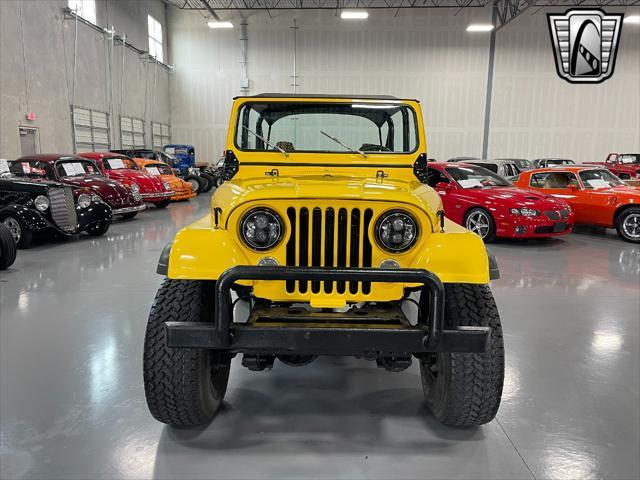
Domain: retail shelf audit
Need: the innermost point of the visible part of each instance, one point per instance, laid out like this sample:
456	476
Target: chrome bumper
120	211
170	193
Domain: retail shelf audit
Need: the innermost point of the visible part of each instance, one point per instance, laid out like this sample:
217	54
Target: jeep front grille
329	237
63	208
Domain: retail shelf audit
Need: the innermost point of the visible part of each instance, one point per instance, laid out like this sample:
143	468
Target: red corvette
124	170
489	205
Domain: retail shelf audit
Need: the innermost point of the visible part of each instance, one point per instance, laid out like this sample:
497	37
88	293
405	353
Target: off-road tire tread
173	378
472	395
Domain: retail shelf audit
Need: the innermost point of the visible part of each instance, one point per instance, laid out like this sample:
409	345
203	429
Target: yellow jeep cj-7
325	227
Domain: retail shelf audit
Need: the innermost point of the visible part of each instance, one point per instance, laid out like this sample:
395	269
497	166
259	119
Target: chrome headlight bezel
41	203
274	223
382	227
84	200
135	191
167	186
96	198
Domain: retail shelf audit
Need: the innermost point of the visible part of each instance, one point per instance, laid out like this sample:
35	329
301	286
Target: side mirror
573	187
443	186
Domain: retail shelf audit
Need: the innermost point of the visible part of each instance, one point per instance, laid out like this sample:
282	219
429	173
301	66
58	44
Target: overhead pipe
210	9
124	41
244	41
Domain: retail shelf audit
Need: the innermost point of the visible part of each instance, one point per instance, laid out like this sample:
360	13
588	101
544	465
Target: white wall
41	79
537	114
424	54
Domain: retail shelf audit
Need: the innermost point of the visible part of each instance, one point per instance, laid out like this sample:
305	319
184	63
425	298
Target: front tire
98	229
628	225
129	216
480	222
464	389
162	204
184	387
197	183
8	247
210	181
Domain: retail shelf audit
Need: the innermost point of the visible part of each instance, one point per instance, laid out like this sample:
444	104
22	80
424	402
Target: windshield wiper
275	147
351	149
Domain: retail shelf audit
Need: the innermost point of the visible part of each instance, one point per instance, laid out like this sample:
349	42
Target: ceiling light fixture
354	15
218	24
635	19
479	27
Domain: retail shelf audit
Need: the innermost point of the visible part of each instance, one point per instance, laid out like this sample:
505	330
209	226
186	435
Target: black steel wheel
464	389
98	229
8	247
184	387
22	235
628	224
197	183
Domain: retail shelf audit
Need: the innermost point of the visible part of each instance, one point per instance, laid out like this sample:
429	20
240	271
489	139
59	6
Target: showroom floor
72	321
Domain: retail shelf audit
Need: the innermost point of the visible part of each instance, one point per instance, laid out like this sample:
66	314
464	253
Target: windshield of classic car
158	169
476	177
70	168
630	158
594	179
119	163
560	161
297	127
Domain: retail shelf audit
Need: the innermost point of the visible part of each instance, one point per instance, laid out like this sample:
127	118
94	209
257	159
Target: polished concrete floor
72	319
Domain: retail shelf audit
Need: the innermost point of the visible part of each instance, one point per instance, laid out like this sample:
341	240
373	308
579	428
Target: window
308	127
594	179
553	180
160	134
91	129
435	177
131	132
85	9
155	39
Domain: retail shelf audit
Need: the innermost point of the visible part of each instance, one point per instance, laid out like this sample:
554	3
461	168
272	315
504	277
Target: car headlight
396	231
84	200
525	212
41	203
135	191
167	187
96	198
261	229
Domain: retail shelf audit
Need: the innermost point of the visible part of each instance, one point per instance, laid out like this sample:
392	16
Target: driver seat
556	180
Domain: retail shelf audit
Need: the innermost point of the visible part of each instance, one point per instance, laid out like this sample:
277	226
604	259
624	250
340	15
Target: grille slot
331	238
552	214
63	208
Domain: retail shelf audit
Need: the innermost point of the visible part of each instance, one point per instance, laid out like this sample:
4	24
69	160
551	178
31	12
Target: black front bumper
378	335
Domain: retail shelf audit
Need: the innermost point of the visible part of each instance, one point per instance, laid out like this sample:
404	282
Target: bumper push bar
324	338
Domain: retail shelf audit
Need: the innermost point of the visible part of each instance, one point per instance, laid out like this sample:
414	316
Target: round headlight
41	203
396	231
135	191
167	187
84	200
96	198
261	229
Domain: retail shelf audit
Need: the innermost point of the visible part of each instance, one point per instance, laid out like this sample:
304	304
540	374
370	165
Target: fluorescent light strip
477	27
635	19
216	24
354	15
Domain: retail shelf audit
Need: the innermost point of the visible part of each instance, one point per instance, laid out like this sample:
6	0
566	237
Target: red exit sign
31	116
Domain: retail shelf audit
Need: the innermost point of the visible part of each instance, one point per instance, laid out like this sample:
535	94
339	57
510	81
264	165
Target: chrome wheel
479	223
631	226
14	227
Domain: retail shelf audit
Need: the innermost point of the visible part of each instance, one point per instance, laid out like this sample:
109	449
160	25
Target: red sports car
82	174
124	170
489	205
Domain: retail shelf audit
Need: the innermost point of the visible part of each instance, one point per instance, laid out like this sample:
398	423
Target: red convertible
489	205
82	174
124	170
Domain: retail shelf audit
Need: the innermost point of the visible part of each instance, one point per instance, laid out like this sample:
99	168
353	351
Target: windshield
476	177
286	127
70	168
594	179
158	169
119	163
560	161
630	158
